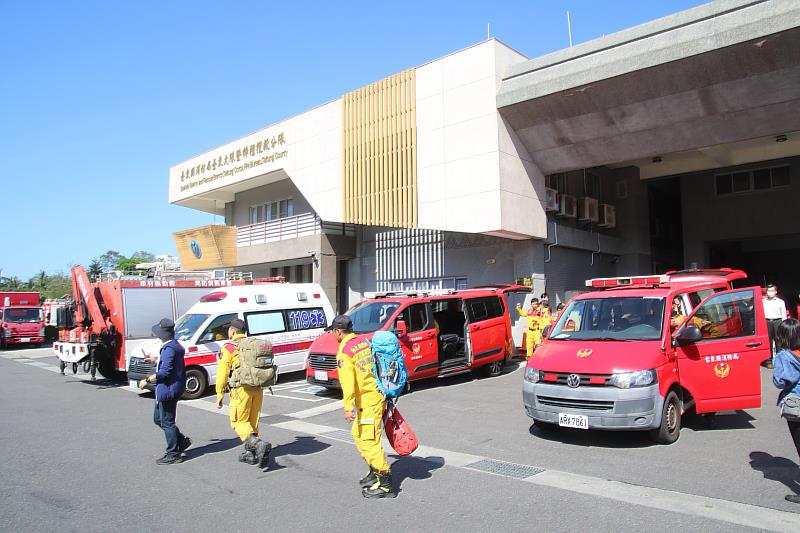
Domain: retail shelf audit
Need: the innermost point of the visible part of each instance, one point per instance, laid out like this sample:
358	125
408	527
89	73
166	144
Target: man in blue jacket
170	381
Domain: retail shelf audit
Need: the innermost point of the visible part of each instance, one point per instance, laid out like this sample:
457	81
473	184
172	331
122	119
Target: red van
441	333
637	353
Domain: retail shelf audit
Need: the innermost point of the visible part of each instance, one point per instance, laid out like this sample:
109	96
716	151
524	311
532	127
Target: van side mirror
208	337
689	335
400	328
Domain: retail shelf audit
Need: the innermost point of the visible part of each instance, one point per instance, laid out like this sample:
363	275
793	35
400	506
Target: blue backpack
388	364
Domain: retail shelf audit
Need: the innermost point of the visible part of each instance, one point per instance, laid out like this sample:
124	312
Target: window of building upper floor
755	180
271	211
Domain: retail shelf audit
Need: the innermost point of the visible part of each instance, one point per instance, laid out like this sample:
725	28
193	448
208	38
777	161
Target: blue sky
99	99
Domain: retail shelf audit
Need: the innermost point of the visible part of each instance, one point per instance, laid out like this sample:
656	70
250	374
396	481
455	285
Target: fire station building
672	144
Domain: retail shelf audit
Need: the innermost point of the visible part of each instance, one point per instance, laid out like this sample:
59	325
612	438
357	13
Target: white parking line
318	410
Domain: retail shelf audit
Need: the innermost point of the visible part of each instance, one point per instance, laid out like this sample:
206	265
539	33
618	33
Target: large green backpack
256	364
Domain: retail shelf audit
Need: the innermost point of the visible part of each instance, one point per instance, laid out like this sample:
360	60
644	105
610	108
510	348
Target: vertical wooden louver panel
379	156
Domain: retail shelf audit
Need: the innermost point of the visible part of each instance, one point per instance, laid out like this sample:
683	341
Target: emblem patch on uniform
722	370
585	352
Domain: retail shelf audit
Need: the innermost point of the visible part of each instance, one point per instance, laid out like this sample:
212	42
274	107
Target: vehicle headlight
629	380
41	332
532	374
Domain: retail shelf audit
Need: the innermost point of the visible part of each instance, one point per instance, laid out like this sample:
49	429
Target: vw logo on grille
573	380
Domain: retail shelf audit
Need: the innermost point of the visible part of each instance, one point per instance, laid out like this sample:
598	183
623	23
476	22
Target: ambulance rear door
720	348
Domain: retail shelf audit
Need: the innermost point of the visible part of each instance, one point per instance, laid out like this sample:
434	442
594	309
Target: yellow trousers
533	338
367	432
246	410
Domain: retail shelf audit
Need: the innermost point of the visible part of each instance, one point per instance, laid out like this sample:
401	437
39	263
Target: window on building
760	179
272	211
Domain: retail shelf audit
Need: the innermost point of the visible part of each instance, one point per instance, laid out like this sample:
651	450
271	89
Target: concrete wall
708	217
280	190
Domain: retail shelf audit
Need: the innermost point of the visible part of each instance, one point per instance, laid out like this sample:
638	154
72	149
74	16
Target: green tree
95	269
108	261
144	256
128	264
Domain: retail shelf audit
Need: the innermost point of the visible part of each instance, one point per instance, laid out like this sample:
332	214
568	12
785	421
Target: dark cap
164	330
237	324
341	322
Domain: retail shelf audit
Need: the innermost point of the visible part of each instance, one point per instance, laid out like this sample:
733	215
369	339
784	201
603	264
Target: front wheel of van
494	369
670	428
196	384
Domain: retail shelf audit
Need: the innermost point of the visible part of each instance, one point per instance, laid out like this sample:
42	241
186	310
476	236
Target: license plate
573	421
25	339
320	375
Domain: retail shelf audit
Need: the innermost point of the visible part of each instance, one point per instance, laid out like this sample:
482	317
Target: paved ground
78	456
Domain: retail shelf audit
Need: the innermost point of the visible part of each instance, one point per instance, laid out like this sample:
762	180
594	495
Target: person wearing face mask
775	313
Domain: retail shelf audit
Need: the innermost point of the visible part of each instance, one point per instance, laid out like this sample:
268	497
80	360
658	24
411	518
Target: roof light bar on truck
601	283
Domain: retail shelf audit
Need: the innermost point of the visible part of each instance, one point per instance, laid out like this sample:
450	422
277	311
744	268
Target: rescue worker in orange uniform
245	408
363	406
545	315
533	335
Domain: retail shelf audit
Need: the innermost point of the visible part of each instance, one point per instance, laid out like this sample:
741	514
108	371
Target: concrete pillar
324	269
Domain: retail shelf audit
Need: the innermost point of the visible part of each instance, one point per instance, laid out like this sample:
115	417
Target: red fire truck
21	319
637	353
113	315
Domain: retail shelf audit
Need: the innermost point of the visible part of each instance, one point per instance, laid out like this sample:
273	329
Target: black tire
196	383
74	368
494	368
670	428
107	369
87	366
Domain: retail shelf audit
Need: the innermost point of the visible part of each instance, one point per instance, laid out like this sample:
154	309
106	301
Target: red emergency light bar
214	296
273	279
599	283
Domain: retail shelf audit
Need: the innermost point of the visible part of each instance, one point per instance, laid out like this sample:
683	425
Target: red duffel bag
398	432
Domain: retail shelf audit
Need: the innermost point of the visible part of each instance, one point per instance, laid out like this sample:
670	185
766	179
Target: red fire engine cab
21	319
637	353
112	316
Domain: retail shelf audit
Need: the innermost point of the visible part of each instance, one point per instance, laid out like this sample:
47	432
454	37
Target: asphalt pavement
79	456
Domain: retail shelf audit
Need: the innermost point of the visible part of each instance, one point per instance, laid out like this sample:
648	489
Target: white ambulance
290	315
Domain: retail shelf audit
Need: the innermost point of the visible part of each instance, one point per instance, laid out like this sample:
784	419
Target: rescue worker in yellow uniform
533	335
545	316
245	408
363	406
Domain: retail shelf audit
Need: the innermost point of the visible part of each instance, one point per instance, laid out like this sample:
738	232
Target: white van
290	315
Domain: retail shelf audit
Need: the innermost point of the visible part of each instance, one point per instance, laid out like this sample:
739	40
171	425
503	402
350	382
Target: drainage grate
339	434
503	468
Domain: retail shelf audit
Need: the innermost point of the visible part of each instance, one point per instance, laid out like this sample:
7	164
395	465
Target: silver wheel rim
672	417
192	384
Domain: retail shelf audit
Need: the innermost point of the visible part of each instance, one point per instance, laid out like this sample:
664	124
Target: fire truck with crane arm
113	315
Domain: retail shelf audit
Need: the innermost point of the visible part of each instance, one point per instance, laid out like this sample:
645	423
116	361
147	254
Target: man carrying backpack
236	370
363	406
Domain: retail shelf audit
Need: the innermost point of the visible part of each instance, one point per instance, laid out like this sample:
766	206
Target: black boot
259	448
382	488
369	479
247	457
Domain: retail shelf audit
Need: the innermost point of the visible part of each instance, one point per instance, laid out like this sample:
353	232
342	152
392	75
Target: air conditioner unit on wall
608	216
588	209
552	200
568	206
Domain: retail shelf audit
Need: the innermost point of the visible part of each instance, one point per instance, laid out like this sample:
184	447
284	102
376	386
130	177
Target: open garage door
774	259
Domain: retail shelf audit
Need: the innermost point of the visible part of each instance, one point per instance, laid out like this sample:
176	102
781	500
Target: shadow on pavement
475	375
216	445
405	467
779	469
720	421
300	446
592	439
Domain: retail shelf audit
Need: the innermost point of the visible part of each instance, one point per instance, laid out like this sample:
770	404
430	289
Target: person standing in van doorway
363	406
170	381
245	408
533	333
775	313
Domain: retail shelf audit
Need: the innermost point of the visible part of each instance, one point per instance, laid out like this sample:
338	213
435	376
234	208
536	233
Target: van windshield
187	326
611	319
19	315
371	316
